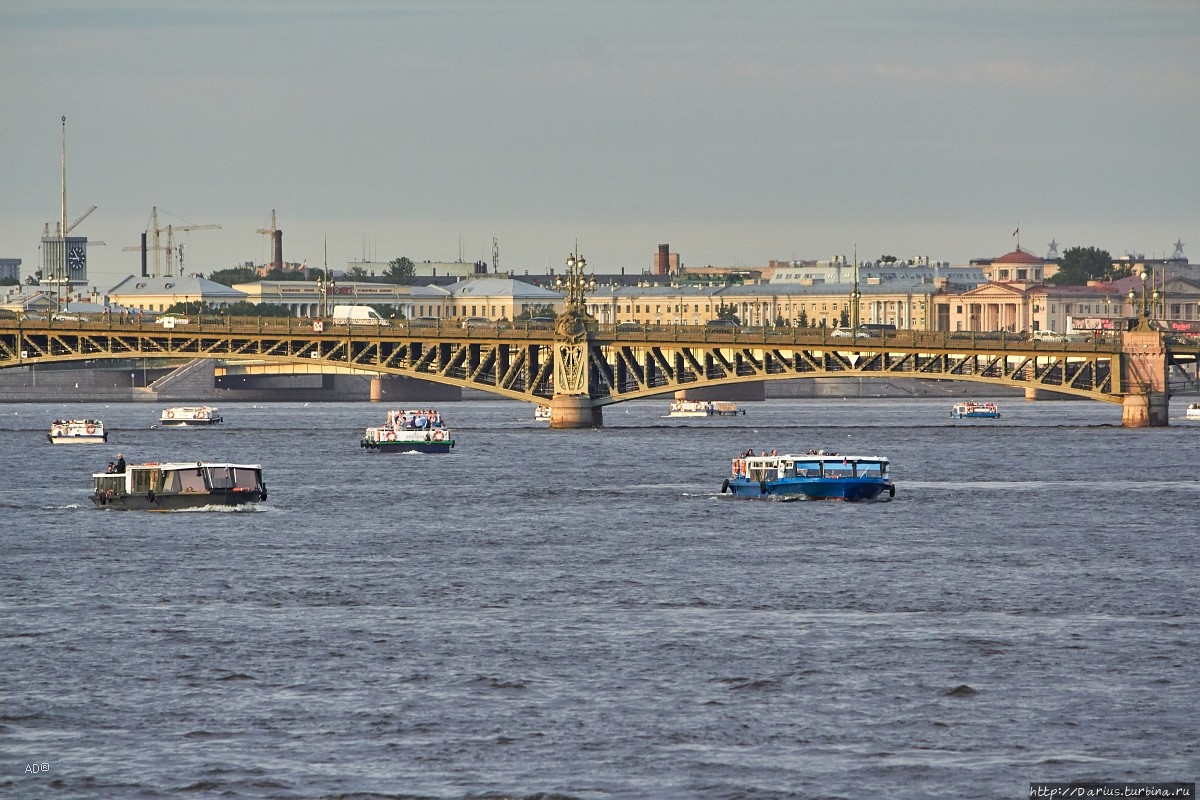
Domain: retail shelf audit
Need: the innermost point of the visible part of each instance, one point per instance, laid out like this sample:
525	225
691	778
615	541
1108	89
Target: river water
582	614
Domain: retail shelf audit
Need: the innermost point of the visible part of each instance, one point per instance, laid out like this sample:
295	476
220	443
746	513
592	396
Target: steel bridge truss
521	365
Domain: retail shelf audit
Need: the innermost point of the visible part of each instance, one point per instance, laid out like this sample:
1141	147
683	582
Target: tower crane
276	242
156	233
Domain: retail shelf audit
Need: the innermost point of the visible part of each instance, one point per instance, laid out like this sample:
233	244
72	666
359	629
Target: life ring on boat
90	429
891	491
438	436
735	468
725	486
109	493
170	415
390	436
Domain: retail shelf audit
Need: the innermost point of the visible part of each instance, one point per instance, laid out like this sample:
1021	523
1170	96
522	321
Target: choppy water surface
582	614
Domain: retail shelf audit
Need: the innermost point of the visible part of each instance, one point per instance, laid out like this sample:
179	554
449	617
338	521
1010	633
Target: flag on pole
1018	230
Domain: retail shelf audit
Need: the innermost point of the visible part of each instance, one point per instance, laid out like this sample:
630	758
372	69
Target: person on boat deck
119	467
111	468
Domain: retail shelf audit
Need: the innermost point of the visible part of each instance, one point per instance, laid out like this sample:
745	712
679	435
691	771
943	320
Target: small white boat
972	410
541	414
1193	411
409	431
77	431
703	408
189	416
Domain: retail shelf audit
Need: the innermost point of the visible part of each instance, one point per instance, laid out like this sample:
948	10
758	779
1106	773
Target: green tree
844	320
802	319
228	277
728	312
1079	265
401	271
357	273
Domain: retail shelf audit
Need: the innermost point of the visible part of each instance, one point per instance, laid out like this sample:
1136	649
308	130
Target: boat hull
849	489
177	502
189	423
83	439
976	415
398	446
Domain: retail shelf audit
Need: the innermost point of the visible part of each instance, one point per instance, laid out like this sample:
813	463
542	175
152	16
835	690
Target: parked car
628	326
849	333
721	325
477	322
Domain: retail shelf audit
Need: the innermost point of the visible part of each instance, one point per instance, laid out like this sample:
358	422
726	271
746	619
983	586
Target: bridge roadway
597	365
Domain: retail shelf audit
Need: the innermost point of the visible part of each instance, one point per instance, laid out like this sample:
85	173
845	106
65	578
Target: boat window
838	469
170	481
192	480
808	469
245	478
219	477
114	482
142	480
870	469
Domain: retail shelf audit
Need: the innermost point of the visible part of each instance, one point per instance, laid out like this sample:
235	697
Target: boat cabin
823	466
173	479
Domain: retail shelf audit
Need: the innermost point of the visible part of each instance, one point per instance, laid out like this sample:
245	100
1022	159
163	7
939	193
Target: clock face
75	257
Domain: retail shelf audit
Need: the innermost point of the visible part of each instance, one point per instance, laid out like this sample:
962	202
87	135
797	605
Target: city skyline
775	130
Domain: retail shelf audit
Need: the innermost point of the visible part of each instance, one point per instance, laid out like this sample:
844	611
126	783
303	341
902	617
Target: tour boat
972	410
179	485
541	414
702	408
410	431
816	475
188	416
1193	411
77	431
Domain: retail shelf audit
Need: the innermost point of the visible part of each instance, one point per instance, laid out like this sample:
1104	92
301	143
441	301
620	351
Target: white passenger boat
189	416
703	408
177	486
1193	411
541	414
410	431
971	410
77	431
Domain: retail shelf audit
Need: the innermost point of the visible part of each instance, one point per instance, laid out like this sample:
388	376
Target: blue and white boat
815	475
969	409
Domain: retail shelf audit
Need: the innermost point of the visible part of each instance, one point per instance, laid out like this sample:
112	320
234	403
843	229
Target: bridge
578	366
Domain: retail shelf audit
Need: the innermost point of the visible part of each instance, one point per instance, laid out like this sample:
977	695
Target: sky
737	133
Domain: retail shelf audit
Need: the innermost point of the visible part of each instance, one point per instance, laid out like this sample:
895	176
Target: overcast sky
736	132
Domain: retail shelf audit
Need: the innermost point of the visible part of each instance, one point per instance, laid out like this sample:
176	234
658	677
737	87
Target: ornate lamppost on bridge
325	285
1149	303
855	296
571	406
576	284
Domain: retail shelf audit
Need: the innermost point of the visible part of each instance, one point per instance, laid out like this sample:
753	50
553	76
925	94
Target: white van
357	315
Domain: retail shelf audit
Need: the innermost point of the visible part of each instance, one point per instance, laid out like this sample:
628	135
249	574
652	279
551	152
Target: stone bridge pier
1144	378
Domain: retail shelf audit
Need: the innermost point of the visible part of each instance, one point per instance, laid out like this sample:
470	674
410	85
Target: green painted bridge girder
518	362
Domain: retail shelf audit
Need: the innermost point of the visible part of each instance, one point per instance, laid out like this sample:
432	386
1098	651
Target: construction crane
155	232
276	242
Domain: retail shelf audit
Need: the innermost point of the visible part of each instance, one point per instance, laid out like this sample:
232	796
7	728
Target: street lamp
855	296
1144	312
325	285
576	283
